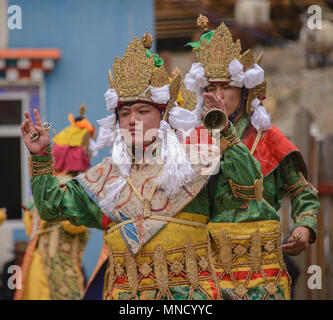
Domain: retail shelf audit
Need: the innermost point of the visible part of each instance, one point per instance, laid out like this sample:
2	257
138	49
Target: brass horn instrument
215	119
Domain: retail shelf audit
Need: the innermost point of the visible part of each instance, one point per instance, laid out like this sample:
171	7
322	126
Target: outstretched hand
28	128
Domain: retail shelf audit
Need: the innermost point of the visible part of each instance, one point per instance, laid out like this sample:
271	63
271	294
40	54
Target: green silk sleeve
304	200
69	203
239	167
200	204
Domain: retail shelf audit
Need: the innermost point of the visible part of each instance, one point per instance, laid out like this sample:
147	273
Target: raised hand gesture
213	101
28	130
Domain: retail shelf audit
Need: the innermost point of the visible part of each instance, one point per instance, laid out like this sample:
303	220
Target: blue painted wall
90	34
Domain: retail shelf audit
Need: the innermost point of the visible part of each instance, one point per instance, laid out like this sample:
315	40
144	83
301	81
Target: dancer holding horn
249	262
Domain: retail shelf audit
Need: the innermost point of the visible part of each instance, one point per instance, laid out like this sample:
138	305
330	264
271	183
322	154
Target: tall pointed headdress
220	61
138	76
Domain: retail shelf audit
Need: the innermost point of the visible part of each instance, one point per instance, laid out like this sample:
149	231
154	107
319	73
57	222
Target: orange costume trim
272	148
82	124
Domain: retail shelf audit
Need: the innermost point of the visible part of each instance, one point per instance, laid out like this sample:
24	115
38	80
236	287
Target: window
10	187
10	112
13	161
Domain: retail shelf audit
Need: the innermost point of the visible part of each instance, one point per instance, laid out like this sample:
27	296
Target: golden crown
136	71
133	72
215	55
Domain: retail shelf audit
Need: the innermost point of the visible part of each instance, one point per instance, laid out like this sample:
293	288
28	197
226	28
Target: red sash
272	148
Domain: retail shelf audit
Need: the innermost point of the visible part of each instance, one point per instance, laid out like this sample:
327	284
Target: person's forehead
136	106
222	85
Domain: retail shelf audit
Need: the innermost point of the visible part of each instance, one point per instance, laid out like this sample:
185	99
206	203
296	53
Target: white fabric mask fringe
111	99
92	148
195	78
105	133
177	170
111	200
195	81
260	118
122	160
248	79
184	120
160	95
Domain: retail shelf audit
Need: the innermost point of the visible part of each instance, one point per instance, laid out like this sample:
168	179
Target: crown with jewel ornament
216	52
133	72
139	73
215	55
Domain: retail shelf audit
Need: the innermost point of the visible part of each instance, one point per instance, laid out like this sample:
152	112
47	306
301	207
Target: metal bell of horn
215	119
